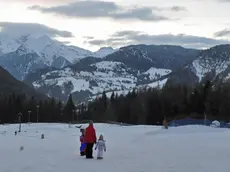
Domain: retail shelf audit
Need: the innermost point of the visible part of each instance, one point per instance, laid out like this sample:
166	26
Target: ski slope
129	149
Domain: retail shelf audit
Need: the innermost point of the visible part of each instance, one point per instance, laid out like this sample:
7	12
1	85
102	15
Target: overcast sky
91	24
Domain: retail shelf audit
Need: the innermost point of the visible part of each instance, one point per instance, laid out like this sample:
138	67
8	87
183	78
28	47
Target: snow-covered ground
129	149
108	76
155	73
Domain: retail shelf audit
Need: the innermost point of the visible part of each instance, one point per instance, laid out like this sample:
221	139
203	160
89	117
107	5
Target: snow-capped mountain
48	49
26	54
121	71
212	64
103	52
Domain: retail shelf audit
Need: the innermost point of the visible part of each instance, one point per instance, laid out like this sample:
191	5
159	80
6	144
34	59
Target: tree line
144	106
32	110
153	105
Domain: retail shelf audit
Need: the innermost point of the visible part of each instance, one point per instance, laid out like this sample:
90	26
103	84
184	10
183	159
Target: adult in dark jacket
90	139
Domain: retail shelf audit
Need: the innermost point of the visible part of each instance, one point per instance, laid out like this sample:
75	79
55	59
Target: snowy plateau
141	148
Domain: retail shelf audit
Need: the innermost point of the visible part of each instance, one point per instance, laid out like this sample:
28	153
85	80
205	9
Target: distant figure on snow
90	140
100	147
165	123
82	140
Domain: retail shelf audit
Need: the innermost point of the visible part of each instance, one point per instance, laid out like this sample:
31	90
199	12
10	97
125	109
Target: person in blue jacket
82	140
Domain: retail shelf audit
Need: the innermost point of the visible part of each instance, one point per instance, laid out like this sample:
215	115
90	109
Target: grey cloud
178	8
88	37
97	42
222	33
144	13
102	9
34	29
135	37
126	33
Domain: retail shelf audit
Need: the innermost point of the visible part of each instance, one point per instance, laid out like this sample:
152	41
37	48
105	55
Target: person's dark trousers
89	150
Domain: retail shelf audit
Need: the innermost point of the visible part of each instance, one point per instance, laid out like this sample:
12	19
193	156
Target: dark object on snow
42	136
89	150
165	123
78	126
21	148
82	153
15	133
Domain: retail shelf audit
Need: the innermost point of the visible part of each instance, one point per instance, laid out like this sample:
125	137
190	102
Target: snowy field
129	149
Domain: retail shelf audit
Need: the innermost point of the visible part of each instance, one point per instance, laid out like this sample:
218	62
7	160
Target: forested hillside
149	106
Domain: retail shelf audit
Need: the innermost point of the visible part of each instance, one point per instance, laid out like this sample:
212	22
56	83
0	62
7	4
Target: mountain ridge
126	68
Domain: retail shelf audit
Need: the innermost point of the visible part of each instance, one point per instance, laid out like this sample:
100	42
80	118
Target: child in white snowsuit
100	147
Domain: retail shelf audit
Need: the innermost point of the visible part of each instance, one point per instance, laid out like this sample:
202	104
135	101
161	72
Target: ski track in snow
130	149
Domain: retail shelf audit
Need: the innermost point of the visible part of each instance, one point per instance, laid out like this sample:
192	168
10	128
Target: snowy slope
212	64
9	44
19	65
108	76
156	84
203	66
159	84
155	73
129	149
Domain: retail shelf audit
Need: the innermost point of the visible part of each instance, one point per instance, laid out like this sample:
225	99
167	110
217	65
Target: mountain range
26	54
126	68
57	70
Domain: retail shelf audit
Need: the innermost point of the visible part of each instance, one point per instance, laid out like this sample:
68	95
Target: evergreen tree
69	109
